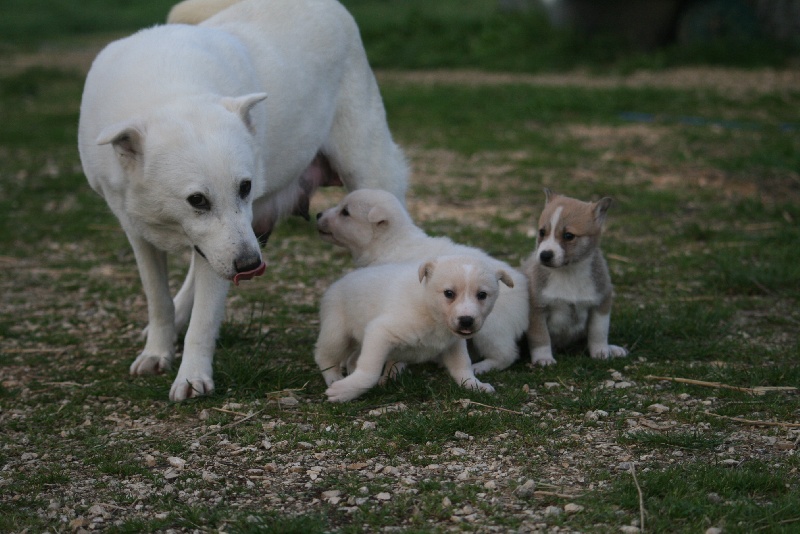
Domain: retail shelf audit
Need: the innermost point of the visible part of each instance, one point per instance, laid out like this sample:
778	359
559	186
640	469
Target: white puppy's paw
148	363
342	391
483	386
185	388
604	352
483	367
334	374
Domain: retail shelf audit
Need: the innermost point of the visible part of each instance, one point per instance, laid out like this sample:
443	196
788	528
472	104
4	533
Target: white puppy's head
363	219
569	229
192	173
462	290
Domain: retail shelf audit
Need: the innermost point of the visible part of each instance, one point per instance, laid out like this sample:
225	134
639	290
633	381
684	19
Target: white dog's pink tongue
247	275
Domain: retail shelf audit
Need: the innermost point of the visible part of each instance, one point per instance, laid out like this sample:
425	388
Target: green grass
702	245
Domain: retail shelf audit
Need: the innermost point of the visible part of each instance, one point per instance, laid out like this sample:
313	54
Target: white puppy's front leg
599	348
374	352
456	360
195	373
159	349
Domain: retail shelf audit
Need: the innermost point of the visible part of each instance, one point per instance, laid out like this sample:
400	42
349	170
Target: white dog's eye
345	212
199	202
244	188
482	295
449	294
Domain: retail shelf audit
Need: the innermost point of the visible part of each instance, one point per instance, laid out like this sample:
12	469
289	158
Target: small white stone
149	460
551	385
713	530
176	462
462	435
526	489
490	485
573	508
622	385
658	408
288	401
446	503
383	496
208	476
552	510
629	529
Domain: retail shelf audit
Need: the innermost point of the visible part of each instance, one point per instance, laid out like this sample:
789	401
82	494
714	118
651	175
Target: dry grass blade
759	390
753	421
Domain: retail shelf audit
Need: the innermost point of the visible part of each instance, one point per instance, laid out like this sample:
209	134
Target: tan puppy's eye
541	232
569	236
482	295
345	212
449	294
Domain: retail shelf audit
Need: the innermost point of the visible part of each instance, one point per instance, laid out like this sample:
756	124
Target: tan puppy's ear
600	208
505	278
426	269
549	195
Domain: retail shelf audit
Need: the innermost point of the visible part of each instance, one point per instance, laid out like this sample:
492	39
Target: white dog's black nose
466	321
247	263
546	256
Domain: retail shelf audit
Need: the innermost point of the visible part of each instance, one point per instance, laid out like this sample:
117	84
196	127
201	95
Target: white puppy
375	227
175	133
408	312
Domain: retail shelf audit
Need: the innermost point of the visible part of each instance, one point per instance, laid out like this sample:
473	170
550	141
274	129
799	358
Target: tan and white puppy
202	137
409	312
376	228
568	278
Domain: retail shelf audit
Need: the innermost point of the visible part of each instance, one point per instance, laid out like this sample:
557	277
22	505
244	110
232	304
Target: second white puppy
407	312
376	229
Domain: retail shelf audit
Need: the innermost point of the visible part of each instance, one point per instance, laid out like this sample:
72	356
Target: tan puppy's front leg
599	322
369	366
539	339
456	360
159	349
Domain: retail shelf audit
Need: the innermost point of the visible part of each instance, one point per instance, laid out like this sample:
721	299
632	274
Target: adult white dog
407	312
376	228
202	137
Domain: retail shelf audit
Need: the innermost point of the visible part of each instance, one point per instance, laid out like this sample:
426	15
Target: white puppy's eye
199	202
449	294
345	212
482	295
244	188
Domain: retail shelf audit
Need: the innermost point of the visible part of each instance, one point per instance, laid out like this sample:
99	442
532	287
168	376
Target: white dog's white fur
202	137
407	312
376	228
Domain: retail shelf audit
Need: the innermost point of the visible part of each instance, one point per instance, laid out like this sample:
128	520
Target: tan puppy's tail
196	11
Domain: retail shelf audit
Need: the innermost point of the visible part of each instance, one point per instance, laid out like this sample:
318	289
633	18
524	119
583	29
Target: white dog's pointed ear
505	278
600	208
426	269
127	139
241	105
377	215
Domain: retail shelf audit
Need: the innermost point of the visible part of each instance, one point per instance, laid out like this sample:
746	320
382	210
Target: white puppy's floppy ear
377	215
241	105
127	138
505	278
426	269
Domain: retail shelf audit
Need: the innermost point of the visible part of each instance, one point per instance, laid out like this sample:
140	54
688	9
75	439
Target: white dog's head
462	290
192	172
364	219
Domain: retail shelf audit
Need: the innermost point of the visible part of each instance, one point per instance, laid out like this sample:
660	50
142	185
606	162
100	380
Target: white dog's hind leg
369	367
195	373
456	361
498	352
159	349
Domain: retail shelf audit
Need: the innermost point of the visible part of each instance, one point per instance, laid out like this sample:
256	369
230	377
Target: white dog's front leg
369	366
599	348
184	300
456	360
159	349
195	373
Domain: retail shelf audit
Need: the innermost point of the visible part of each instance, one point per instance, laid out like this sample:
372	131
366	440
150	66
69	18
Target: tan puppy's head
569	230
462	290
363	218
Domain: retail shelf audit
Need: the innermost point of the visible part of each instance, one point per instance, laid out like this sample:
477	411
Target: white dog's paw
483	367
483	386
604	352
186	388
148	363
342	391
332	375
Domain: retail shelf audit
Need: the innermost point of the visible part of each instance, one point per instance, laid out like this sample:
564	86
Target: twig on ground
541	493
467	402
641	498
753	421
288	390
759	390
229	425
223	410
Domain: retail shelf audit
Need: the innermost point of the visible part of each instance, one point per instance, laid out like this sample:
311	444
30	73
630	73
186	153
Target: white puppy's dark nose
466	321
